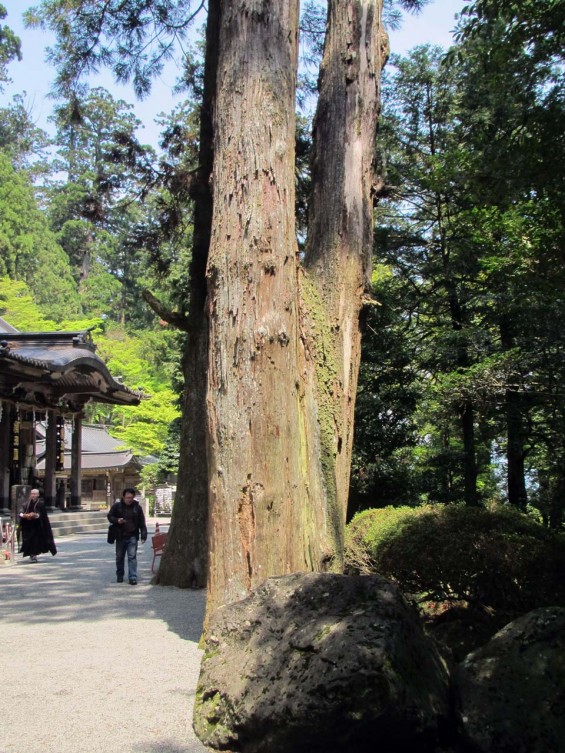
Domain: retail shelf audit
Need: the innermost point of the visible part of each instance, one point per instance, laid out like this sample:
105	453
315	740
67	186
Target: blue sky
33	76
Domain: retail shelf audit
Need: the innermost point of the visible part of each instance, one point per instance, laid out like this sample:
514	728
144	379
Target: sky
33	76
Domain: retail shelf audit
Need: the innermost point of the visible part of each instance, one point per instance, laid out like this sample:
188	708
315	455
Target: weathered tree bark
258	477
185	560
337	268
284	341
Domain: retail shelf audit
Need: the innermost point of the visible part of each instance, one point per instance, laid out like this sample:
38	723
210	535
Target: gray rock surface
320	662
513	689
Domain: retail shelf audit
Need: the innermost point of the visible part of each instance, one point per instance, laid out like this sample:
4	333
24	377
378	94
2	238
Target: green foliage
96	325
18	307
52	284
28	248
10	48
102	293
424	333
21	139
164	231
370	528
94	209
144	428
149	479
497	558
147	363
471	230
539	24
384	467
131	37
169	457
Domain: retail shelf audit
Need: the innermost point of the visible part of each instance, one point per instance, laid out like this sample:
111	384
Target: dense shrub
498	558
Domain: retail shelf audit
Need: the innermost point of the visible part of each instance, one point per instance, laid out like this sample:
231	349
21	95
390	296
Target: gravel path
93	666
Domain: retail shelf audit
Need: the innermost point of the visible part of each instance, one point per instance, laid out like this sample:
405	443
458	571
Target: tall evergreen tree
424	243
10	48
286	342
25	143
94	207
28	248
483	294
514	113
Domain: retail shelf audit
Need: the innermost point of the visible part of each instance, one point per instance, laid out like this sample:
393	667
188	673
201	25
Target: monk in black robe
36	533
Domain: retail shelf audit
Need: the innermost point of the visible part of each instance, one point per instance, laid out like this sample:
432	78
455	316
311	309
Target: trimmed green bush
499	558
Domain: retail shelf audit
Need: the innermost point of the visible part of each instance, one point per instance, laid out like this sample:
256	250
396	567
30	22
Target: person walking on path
128	523
36	534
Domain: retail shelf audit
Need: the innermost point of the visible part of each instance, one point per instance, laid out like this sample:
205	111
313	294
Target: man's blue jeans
129	545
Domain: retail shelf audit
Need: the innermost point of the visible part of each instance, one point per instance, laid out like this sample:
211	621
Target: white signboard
164	498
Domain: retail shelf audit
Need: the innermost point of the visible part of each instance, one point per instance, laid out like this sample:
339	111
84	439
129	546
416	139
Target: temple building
107	467
46	379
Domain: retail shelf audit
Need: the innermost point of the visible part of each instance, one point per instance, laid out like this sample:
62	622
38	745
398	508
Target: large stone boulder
321	662
513	689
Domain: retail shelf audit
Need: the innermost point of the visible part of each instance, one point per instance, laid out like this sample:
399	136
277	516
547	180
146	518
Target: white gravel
93	666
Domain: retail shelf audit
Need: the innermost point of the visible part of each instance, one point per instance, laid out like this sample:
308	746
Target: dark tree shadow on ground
79	584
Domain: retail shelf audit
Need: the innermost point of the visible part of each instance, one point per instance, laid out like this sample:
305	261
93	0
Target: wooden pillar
27	448
109	500
61	494
76	450
5	455
49	487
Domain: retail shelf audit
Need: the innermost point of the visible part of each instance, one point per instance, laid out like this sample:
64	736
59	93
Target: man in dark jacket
128	522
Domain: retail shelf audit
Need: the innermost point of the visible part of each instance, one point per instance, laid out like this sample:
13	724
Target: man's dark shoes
120	580
132	582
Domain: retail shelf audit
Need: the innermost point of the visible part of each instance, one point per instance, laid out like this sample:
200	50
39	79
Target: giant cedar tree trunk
185	560
284	342
337	276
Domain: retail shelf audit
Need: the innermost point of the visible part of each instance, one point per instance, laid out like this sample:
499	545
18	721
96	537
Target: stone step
73	529
56	514
70	523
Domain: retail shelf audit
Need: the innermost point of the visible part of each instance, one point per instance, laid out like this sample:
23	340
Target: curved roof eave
62	360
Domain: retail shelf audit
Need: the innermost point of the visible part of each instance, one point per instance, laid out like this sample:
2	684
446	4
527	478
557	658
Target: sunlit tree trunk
284	340
337	267
258	462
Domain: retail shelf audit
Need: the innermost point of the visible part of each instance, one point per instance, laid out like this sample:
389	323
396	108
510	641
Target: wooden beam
5	454
49	484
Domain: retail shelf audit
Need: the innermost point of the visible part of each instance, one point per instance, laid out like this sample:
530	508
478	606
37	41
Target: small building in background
107	467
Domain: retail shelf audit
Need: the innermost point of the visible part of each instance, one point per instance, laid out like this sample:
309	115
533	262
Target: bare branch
174	318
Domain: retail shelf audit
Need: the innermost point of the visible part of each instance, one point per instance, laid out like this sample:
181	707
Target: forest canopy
462	367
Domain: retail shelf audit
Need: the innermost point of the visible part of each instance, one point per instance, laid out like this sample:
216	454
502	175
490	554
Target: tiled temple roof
57	369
